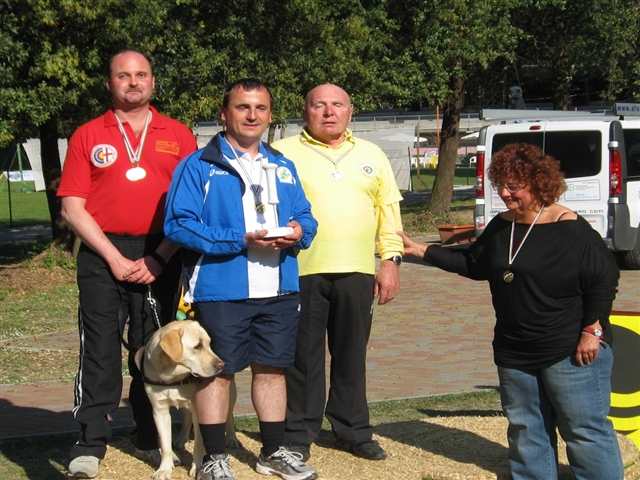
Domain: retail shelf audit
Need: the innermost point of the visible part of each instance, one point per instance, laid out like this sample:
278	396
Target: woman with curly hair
553	282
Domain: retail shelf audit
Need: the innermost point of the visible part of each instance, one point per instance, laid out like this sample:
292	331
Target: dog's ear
171	344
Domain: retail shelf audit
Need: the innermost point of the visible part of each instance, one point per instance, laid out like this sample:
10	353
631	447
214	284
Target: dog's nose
219	365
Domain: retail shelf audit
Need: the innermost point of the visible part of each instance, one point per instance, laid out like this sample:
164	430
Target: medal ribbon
134	156
335	162
254	188
513	223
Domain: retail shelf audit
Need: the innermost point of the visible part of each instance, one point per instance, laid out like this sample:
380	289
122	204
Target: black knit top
564	279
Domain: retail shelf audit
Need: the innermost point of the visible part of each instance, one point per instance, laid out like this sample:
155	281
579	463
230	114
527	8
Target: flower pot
450	234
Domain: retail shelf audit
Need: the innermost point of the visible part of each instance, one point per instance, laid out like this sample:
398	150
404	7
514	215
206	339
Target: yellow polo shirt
354	197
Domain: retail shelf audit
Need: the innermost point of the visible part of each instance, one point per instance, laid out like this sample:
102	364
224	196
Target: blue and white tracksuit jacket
204	215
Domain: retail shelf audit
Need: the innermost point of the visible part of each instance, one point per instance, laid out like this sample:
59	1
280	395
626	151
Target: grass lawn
423	179
21	205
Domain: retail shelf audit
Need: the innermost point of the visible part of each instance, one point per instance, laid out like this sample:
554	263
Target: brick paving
434	338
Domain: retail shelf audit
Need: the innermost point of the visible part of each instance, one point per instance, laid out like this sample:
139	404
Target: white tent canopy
404	138
32	148
471	136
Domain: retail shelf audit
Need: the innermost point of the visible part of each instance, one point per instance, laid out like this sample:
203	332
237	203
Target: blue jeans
574	399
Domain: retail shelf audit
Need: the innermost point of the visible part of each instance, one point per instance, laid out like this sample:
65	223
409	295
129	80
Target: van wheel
631	259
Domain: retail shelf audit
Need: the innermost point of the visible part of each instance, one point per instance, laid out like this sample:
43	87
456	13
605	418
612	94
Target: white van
600	158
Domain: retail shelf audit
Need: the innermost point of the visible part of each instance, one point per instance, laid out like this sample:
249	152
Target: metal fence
23	199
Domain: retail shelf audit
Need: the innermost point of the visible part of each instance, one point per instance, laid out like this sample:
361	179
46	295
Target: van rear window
578	152
632	144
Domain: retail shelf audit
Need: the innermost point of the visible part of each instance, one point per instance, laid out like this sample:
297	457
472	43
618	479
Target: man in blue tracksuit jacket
205	215
240	275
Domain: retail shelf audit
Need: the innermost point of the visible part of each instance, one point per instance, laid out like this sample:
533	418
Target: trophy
272	196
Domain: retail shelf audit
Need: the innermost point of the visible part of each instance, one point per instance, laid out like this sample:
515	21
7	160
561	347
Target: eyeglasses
511	188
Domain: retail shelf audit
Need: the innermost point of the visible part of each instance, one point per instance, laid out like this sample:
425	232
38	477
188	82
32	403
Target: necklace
255	188
336	175
136	172
508	275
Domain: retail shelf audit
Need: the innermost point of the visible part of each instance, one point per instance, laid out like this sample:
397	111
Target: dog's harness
147	380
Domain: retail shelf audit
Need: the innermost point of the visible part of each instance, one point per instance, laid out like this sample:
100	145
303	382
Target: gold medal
508	276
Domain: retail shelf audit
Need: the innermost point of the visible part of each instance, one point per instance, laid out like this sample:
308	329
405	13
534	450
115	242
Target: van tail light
480	175
615	173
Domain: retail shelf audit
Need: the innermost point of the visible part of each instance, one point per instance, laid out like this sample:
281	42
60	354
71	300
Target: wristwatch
596	332
397	259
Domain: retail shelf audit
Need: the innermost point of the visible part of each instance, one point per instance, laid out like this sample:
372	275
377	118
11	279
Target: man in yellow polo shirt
355	198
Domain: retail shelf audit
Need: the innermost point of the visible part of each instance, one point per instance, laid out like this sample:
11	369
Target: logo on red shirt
103	155
164	146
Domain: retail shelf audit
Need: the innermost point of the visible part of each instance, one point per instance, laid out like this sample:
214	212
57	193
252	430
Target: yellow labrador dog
171	363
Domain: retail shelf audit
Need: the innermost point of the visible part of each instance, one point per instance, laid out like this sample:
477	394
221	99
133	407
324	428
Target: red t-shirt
96	164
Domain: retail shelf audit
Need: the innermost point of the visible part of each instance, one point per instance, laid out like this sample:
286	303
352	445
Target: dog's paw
192	471
162	474
180	444
232	442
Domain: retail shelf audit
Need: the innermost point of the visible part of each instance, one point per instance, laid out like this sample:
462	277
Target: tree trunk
562	77
272	133
60	233
440	201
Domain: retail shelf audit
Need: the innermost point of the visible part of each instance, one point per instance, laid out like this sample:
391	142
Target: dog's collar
148	381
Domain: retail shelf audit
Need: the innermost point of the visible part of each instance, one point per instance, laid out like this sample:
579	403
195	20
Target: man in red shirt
114	182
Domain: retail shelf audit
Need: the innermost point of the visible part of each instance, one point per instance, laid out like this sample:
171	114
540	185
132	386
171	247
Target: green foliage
52	259
384	53
617	45
452	38
53	54
574	40
445	42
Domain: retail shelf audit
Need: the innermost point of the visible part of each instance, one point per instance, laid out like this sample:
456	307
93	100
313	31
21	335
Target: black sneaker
301	448
369	449
286	464
215	467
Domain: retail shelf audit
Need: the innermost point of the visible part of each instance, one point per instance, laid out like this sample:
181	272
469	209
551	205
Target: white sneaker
287	464
153	456
215	467
84	466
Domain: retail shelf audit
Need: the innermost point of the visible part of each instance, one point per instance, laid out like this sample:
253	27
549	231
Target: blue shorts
257	330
